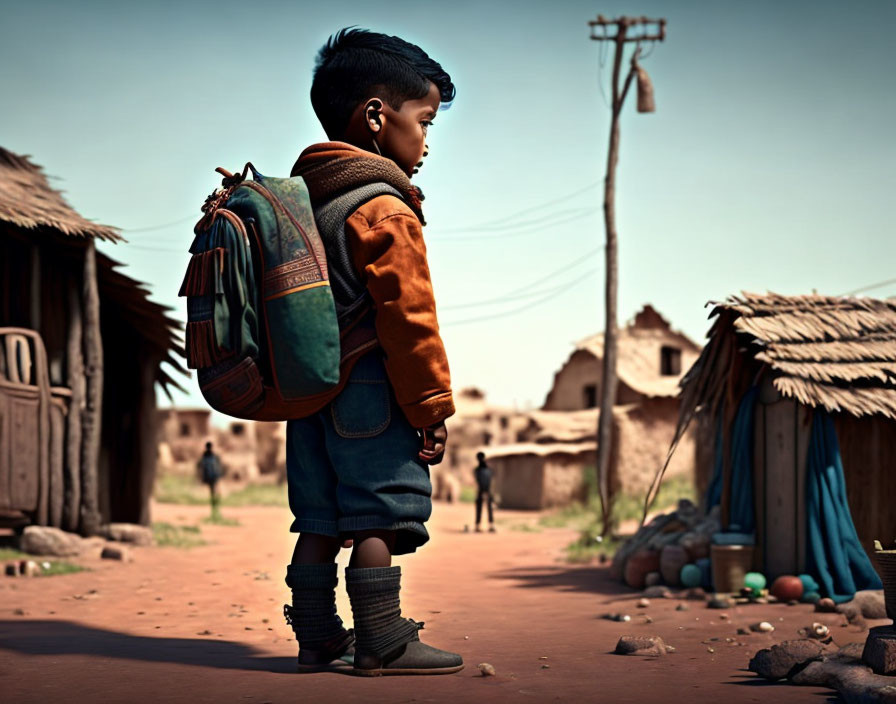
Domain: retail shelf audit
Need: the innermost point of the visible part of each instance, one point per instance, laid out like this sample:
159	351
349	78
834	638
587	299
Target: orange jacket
385	239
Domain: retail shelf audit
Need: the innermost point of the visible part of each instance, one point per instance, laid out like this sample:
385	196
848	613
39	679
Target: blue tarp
834	554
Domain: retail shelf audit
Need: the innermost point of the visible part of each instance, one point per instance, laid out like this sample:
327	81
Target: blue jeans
353	465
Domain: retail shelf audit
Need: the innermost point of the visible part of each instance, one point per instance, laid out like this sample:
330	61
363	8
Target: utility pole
626	30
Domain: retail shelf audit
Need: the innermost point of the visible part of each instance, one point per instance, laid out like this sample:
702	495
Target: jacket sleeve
386	243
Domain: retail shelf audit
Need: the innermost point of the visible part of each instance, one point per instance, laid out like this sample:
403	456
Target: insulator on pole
645	91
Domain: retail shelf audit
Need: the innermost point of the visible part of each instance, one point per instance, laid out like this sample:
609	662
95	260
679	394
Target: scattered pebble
466	637
762	627
543	657
670	648
724	617
486	669
545	667
682	607
643	603
710	650
647	619
743	631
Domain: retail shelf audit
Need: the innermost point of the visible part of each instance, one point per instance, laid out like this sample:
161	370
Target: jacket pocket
362	409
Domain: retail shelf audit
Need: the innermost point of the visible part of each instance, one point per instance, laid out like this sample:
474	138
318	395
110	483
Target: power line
189	218
527	229
519	292
870	288
514	311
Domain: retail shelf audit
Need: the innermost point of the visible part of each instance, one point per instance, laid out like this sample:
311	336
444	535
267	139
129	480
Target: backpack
211	469
262	330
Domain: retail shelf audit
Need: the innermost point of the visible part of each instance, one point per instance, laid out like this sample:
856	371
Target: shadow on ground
65	638
565	578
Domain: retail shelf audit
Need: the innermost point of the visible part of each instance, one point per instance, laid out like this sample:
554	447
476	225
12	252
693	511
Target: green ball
690	576
755	581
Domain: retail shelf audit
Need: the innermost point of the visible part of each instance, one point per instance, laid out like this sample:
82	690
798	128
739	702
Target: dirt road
205	625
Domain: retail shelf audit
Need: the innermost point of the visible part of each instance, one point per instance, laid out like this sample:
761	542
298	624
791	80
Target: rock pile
659	550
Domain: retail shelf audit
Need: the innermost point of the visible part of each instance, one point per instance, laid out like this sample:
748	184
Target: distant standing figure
210	466
484	475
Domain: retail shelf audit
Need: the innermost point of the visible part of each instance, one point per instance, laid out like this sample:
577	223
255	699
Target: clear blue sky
767	166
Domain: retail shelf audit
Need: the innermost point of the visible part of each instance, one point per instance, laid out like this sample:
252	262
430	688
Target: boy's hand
434	439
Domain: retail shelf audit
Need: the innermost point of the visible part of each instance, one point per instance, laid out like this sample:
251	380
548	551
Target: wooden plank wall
868	451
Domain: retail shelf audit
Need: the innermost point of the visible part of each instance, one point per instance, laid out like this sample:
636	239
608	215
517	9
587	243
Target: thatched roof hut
787	389
81	349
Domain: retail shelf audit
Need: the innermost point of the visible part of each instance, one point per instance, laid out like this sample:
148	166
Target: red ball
787	588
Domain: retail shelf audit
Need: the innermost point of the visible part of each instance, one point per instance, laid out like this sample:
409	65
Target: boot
386	643
323	641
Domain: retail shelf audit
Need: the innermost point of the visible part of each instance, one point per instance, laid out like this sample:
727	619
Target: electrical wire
871	287
553	294
571	216
189	218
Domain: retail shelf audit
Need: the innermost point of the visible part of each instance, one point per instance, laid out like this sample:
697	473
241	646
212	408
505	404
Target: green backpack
262	330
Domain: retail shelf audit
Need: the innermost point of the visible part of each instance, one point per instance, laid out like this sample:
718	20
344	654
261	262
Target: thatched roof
161	333
837	353
28	201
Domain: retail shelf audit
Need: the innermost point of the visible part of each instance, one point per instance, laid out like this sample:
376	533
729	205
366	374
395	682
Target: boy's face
402	132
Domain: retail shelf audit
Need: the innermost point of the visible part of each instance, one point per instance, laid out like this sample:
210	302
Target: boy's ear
373	114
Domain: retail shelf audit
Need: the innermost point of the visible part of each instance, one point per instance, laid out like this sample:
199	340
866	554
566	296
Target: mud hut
546	463
796	395
81	350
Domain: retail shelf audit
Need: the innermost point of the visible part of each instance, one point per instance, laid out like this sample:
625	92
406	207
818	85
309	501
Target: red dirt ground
205	625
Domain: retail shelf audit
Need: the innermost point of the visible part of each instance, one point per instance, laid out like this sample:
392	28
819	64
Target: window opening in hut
486	438
238	429
503	422
185	430
670	361
590	393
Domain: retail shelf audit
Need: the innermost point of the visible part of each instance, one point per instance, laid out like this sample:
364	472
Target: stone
643	603
116	552
653	579
672	559
880	650
44	540
786	658
696	545
870	603
825	605
682	607
11	569
658	591
640	645
486	669
639	565
128	533
762	627
720	601
695	594
741	631
29	568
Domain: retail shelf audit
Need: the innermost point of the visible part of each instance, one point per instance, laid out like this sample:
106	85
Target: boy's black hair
355	60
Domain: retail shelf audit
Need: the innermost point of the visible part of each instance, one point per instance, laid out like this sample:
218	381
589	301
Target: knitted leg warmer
374	595
313	613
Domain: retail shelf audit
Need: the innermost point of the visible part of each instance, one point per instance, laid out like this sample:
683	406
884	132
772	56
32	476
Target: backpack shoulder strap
349	291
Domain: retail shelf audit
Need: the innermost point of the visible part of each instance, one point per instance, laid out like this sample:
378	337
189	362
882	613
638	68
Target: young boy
357	468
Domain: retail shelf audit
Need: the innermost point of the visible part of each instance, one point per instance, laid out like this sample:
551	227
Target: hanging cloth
742	513
834	555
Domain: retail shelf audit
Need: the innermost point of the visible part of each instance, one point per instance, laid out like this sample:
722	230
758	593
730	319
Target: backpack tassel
204	273
200	344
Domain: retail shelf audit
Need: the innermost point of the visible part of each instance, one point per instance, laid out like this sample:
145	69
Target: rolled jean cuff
410	535
318	526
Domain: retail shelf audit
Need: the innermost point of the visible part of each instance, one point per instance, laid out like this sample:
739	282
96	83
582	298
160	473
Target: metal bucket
730	564
886	568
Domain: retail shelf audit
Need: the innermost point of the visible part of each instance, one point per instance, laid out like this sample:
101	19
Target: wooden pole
609	378
76	382
92	418
147	433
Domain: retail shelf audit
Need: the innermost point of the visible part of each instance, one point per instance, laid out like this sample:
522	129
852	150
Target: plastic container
730	564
